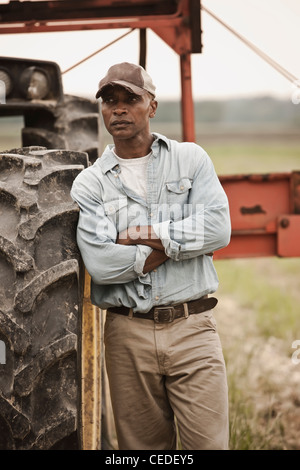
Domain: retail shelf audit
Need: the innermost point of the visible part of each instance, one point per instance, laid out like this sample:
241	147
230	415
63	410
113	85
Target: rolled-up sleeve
205	225
105	261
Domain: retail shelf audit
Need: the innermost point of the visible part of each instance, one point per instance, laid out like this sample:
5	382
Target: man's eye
108	100
133	98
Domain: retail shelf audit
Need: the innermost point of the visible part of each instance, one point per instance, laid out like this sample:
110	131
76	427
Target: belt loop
130	315
186	310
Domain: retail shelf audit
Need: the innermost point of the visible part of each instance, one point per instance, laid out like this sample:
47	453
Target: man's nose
120	108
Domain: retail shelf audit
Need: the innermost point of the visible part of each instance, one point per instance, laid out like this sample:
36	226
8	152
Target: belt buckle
164	314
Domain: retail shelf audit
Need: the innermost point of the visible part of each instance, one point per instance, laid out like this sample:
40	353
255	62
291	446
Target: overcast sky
226	68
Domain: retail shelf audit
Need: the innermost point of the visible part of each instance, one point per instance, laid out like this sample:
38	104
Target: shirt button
181	188
151	215
157	297
116	175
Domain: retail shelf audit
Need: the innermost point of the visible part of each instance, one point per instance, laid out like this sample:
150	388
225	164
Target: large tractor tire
41	298
72	124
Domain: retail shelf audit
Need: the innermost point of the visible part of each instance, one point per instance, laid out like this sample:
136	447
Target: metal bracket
288	235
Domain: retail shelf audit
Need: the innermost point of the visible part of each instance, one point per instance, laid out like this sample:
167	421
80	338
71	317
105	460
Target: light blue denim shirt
188	209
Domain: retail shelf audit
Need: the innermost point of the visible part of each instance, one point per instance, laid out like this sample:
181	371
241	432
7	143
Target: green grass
265	297
275	309
244	434
10	132
254	158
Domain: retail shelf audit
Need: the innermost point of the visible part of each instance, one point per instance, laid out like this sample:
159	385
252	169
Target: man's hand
144	235
155	259
140	235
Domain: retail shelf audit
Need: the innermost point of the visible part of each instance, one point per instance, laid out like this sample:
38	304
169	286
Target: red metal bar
44	11
187	103
265	215
29	17
85	25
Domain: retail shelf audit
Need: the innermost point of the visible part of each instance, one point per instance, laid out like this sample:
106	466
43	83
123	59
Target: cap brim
129	86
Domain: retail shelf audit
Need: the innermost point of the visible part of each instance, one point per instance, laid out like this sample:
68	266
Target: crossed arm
144	235
203	231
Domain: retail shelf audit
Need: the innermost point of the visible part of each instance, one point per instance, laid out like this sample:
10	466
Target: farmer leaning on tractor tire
152	212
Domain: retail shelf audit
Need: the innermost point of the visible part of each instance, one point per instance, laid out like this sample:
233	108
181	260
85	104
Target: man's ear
153	108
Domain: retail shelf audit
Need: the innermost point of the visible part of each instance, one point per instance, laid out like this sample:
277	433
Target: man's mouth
121	123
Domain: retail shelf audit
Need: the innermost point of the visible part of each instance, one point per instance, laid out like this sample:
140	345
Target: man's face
125	114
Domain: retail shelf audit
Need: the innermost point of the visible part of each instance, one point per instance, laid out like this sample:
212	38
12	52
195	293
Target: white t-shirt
134	173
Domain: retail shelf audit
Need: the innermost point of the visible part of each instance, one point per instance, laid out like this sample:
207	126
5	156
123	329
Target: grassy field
259	318
10	132
258	314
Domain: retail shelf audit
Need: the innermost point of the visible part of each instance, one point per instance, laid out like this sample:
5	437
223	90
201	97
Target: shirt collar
162	138
108	160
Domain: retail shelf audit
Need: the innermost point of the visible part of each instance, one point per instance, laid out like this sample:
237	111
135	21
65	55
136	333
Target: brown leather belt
167	314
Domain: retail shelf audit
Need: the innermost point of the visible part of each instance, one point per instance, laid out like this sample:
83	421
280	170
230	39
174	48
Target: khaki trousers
158	371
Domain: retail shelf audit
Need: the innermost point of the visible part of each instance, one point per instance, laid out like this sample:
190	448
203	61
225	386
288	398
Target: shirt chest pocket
116	211
177	196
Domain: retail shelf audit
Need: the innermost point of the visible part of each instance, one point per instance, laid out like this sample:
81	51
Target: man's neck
133	148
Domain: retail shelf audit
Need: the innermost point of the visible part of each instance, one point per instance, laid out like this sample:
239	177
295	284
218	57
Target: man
152	211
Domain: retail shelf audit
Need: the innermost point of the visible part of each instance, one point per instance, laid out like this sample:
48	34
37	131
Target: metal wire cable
99	50
289	76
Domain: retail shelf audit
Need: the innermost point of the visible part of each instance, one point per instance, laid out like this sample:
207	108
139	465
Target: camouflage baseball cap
130	76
